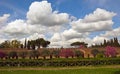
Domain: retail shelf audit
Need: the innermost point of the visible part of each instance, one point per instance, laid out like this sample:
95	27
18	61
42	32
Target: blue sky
77	8
18	9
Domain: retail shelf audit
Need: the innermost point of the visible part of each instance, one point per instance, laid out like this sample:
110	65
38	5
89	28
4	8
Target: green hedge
59	63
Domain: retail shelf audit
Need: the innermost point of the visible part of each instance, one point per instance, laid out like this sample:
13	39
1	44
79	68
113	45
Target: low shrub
60	63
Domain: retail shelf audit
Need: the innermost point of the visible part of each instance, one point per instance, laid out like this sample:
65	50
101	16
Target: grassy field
74	71
63	70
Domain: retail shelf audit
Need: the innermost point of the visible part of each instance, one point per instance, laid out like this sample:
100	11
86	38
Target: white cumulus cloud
99	20
42	13
3	19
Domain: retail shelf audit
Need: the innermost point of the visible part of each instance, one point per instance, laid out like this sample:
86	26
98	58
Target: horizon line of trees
112	42
30	44
42	43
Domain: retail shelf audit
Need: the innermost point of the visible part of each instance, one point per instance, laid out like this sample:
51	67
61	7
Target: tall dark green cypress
25	44
105	43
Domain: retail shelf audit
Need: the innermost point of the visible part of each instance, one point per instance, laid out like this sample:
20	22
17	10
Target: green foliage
79	43
60	63
40	42
45	53
12	54
34	54
23	54
78	54
5	44
100	55
10	44
95	52
15	44
56	53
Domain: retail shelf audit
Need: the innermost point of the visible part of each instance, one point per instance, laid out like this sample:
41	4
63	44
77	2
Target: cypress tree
25	44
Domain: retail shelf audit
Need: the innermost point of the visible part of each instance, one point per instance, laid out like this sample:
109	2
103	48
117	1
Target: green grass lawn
87	70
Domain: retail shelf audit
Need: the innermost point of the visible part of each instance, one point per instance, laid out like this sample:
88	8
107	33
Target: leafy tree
45	53
5	44
45	44
23	54
13	54
10	44
78	53
40	42
32	43
110	51
66	53
34	54
94	52
76	44
56	53
15	44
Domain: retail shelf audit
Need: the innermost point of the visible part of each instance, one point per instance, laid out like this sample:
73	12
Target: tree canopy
40	42
79	44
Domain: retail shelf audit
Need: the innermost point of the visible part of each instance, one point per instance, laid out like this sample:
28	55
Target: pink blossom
110	51
66	53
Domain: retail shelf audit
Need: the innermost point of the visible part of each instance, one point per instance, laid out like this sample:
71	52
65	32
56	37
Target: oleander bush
13	55
2	55
34	54
23	54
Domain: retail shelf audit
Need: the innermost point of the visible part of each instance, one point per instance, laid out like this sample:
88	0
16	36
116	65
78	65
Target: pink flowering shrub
66	53
110	51
2	54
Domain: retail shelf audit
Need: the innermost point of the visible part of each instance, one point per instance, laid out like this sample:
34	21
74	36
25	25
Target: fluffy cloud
42	21
99	15
3	19
20	28
2	40
71	34
57	40
67	37
99	39
35	36
42	13
107	35
113	33
99	20
56	37
66	43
